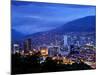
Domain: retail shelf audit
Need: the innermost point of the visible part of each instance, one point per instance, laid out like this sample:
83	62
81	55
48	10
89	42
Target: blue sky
32	17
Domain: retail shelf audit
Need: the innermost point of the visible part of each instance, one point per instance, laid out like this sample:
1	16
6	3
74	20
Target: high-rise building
65	49
44	51
27	45
78	43
65	40
53	51
15	48
66	43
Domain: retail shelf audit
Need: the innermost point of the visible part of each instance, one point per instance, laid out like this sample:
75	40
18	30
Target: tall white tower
66	45
65	40
15	48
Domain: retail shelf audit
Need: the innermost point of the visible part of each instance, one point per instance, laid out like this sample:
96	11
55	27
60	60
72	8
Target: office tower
53	51
65	40
65	49
78	43
15	48
66	43
27	45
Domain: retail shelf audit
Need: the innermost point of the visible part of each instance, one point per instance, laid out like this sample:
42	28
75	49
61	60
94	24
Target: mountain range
85	24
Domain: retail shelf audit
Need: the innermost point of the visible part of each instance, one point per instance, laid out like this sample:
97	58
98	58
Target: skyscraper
15	48
53	51
27	45
65	50
65	40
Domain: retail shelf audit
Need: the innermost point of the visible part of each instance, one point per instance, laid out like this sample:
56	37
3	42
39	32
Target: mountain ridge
85	24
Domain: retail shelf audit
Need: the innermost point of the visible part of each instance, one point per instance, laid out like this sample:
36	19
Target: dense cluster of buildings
71	51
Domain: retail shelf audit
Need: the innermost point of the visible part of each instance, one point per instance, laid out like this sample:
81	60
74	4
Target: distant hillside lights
90	46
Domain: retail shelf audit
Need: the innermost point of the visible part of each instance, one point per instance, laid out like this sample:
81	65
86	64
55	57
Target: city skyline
50	37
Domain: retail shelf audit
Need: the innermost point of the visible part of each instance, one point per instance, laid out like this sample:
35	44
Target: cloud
35	17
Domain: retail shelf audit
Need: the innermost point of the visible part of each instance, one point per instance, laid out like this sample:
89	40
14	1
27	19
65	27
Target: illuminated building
31	52
44	51
65	50
65	40
15	48
22	52
67	61
78	43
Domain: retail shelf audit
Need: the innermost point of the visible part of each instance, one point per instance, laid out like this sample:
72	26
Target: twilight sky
32	17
